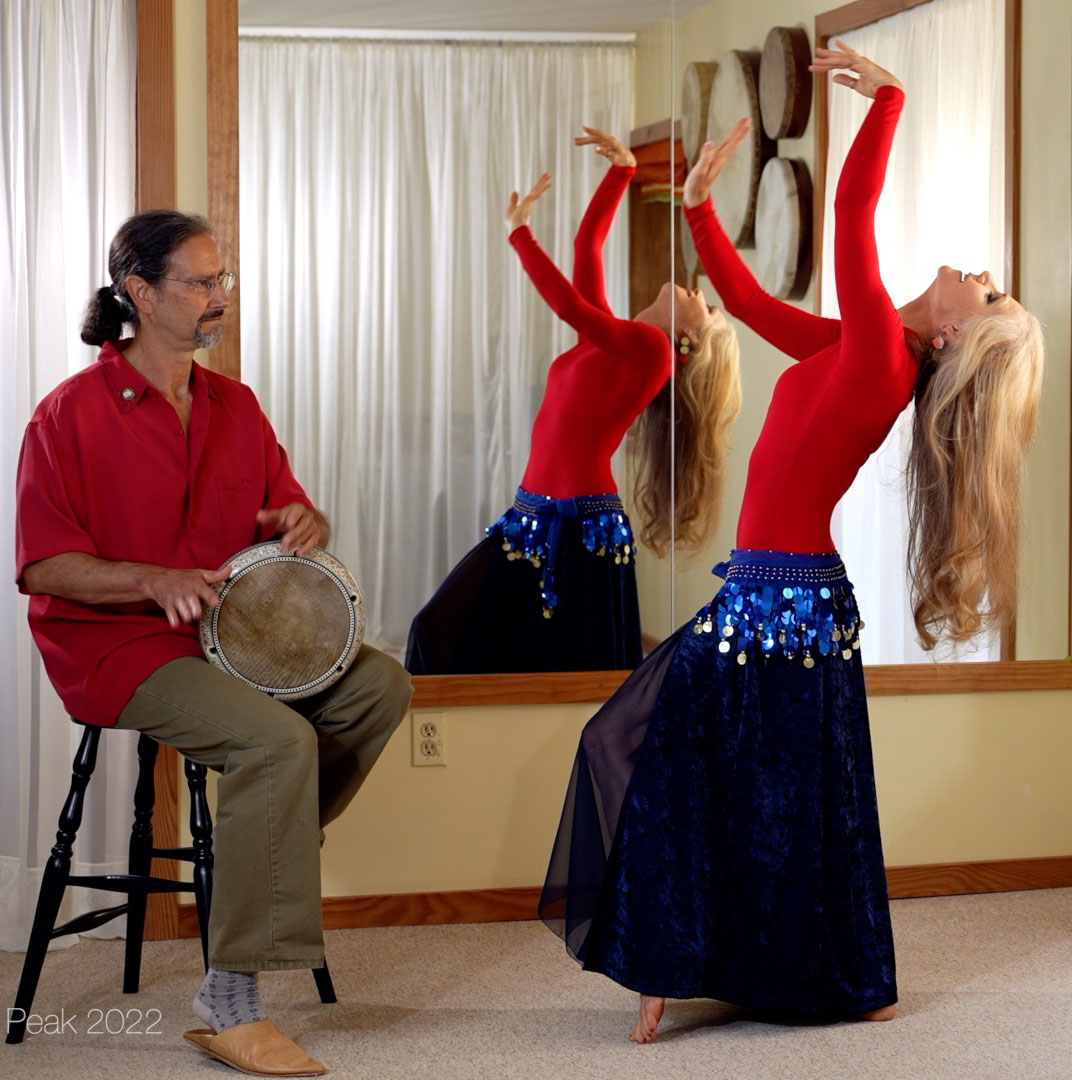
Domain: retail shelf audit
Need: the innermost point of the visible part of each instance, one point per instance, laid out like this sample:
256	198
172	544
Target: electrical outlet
429	739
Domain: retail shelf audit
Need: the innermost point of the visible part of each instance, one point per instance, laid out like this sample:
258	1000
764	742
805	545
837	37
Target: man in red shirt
138	476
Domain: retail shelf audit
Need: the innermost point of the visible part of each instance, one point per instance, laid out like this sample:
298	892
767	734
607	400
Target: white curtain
387	326
943	202
67	92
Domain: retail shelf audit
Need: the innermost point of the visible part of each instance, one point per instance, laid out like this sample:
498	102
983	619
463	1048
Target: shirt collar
202	378
128	386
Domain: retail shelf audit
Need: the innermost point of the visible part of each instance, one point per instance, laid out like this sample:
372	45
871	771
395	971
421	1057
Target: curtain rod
443	36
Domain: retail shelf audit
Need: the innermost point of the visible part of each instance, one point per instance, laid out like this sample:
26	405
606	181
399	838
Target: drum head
695	98
785	82
285	624
783	228
734	94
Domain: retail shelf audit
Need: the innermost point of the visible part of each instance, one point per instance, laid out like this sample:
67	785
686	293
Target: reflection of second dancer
553	587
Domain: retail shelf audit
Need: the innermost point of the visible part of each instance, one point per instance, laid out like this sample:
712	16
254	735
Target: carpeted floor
985	981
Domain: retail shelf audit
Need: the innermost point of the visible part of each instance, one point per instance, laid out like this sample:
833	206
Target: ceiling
558	16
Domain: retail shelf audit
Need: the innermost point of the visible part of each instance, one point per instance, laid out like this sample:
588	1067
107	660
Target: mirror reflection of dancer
553	587
721	836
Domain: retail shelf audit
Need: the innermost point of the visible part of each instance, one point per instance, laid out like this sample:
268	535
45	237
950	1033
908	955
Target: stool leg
201	831
324	984
140	859
53	884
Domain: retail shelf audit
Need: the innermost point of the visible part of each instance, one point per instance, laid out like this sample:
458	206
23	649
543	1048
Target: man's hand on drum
301	527
183	593
866	75
712	159
614	150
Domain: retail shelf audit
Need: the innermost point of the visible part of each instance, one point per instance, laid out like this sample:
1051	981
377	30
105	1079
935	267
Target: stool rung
185	853
90	919
130	883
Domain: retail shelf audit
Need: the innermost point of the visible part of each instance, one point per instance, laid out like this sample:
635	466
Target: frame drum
695	99
783	228
288	625
785	82
735	93
689	255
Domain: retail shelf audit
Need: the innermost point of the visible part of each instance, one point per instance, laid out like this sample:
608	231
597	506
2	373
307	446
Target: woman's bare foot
651	1012
886	1013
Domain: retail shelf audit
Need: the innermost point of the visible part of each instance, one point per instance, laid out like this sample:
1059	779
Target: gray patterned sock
227	998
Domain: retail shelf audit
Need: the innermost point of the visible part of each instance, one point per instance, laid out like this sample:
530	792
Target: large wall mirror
395	339
965	150
394	250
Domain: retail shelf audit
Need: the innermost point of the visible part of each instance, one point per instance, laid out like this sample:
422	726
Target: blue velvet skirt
551	588
720	835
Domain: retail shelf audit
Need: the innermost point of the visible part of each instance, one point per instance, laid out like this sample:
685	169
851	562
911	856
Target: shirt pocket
240	497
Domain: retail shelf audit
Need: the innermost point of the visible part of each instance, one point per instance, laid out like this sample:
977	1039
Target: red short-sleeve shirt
106	469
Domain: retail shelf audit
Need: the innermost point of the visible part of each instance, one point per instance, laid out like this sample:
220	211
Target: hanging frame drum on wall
696	86
783	228
288	625
785	83
734	94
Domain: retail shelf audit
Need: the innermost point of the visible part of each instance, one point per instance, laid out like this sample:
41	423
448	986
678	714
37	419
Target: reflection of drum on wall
286	624
689	255
783	229
695	99
734	94
785	82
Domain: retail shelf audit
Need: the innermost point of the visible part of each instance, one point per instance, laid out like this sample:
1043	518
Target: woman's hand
518	210
711	161
614	150
867	76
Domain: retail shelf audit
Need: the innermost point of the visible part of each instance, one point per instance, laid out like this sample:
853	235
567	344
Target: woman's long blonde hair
707	398
976	411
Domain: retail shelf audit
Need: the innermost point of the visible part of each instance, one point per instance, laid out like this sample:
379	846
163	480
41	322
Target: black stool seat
138	885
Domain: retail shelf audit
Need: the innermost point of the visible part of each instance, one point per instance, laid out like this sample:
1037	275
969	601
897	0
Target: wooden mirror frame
156	186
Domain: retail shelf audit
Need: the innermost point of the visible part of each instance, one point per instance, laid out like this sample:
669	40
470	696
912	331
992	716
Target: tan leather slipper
260	1049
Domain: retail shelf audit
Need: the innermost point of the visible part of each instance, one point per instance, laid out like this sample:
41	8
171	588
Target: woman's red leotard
596	389
832	410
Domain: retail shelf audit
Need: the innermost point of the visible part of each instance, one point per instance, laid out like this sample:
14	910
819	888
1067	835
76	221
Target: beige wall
961	777
191	105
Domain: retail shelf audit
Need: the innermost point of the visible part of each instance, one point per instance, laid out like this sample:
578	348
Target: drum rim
271	551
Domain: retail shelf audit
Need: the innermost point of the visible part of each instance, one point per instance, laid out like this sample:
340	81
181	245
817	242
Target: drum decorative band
287	625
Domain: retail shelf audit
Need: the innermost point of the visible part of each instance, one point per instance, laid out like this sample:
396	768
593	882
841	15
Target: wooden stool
138	883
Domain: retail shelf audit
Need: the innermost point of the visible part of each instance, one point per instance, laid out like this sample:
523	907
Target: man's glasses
207	285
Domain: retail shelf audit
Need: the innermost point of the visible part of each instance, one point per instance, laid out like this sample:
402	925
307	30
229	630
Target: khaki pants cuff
223	964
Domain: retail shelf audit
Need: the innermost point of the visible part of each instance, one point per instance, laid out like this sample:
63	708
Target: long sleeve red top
832	410
106	469
596	389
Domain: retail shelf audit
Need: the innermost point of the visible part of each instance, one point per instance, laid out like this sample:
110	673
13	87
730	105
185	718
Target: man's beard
208	339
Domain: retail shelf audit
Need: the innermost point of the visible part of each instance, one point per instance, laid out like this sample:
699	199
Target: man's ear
142	294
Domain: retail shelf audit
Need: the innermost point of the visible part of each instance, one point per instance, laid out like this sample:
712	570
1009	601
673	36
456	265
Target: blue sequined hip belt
532	529
776	603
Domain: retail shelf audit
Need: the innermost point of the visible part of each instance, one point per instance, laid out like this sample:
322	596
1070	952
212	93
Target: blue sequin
531	530
773	604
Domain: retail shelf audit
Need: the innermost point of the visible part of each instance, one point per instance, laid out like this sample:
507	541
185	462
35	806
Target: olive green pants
286	771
